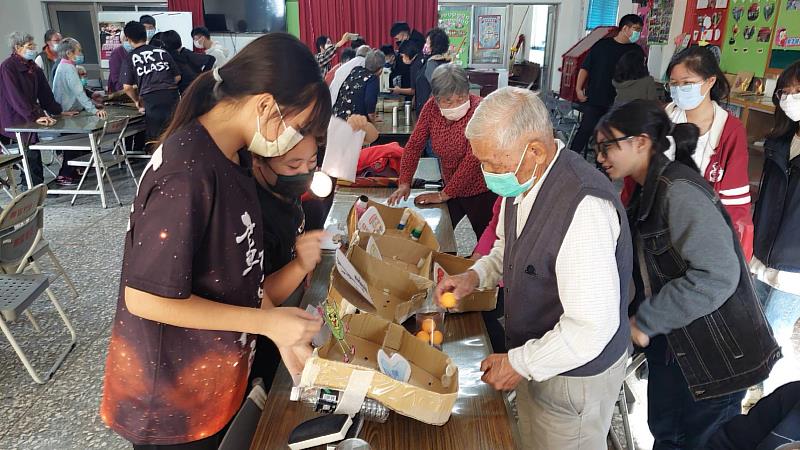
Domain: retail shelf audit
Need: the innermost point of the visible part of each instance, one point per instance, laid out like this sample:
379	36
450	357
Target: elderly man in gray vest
564	252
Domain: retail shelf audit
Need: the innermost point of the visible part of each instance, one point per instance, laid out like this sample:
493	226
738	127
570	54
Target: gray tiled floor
62	414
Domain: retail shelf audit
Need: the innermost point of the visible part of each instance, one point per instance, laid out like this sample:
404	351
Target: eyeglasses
782	94
601	148
681	86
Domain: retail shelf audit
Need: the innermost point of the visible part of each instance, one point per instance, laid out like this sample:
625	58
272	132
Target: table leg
12	182
97	169
24	152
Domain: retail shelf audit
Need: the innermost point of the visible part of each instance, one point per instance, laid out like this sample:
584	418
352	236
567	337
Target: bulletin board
456	21
748	36
786	40
659	20
705	21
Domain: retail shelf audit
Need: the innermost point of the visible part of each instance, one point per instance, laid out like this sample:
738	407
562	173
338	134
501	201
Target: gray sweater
704	240
641	89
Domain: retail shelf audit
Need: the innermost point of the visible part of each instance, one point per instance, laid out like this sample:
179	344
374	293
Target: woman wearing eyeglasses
776	259
697	85
694	312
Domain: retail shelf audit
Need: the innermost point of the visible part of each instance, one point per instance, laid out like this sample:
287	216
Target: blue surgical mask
688	96
635	36
79	59
84	82
128	46
29	54
506	184
151	33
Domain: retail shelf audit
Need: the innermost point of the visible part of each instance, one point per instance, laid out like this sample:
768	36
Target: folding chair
244	424
111	152
622	404
21	225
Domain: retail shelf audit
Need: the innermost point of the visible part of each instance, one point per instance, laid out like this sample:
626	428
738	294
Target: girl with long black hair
192	296
695	312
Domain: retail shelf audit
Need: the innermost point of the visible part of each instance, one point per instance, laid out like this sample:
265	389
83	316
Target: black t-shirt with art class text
601	62
151	69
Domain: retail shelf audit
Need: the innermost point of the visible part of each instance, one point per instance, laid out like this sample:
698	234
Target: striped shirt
324	58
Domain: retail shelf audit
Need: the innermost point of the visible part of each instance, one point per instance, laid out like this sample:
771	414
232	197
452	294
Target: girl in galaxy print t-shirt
191	297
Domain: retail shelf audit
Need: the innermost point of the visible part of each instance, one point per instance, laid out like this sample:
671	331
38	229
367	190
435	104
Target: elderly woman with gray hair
69	93
25	95
443	120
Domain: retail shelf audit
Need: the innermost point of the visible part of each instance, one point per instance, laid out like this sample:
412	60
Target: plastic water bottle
394	116
408	113
361	206
325	401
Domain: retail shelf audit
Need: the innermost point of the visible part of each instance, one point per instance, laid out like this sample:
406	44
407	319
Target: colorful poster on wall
748	36
787	27
659	21
488	32
456	22
110	38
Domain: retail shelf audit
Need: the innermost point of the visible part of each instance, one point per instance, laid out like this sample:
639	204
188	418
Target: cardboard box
480	300
407	256
391	217
428	396
396	295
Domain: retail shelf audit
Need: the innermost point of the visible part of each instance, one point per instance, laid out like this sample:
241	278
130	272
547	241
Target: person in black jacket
189	63
694	313
776	243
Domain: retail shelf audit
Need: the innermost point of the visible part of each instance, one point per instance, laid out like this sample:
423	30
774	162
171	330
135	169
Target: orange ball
448	300
424	336
429	325
437	337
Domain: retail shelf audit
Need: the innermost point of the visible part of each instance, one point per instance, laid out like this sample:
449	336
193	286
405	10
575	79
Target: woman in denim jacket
695	313
776	245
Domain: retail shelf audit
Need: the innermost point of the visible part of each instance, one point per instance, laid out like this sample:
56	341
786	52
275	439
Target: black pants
34	161
158	109
209	443
591	115
477	208
676	420
497	334
773	421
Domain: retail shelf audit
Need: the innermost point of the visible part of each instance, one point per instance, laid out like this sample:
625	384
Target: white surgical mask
456	113
688	96
288	138
791	106
197	44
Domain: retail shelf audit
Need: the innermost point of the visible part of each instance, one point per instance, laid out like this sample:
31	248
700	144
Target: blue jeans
675	419
782	310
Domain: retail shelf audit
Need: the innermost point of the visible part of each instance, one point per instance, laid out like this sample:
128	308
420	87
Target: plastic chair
42	246
111	152
243	427
21	225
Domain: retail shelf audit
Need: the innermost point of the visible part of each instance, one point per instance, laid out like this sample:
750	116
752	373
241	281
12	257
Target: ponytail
685	137
276	63
648	117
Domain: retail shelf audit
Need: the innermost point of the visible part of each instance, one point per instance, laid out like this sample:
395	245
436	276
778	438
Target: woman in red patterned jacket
443	120
697	85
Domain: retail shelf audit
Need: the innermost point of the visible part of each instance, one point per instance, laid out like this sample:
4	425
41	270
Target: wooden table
70	128
481	417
